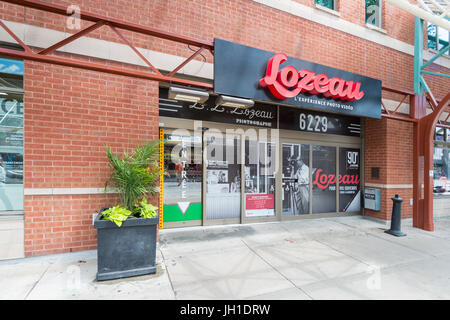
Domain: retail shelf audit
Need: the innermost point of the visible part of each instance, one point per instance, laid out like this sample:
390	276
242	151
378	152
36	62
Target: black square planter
126	251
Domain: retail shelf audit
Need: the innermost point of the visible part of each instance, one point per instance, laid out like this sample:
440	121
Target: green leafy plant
116	214
135	174
146	210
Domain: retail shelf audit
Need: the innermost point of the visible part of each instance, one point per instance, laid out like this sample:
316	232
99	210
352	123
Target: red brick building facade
70	114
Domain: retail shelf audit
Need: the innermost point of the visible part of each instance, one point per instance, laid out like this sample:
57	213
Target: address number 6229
313	123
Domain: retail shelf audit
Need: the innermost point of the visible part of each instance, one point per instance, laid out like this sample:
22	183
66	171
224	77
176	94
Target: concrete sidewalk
329	258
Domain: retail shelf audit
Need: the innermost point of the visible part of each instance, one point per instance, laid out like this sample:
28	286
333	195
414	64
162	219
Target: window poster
324	179
295	179
349	180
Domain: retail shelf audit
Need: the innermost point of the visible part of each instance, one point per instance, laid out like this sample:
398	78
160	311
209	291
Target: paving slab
418	240
360	222
366	286
17	280
304	262
284	294
231	288
317	228
263	234
179	244
429	275
441	228
373	250
77	280
232	274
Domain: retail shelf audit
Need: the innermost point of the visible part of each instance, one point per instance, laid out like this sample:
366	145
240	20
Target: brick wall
388	145
70	116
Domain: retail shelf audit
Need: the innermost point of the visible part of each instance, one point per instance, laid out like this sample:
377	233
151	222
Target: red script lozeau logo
322	180
289	82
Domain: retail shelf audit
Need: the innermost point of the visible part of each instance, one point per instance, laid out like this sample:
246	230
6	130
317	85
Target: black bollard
396	219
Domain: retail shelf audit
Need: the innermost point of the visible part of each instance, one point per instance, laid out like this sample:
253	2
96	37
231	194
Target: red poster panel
257	205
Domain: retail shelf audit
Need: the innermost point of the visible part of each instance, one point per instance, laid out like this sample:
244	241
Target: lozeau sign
260	75
289	82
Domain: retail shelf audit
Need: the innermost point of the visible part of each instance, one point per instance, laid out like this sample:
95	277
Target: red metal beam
135	50
62	10
431	100
400	103
12	34
448	115
400	118
406	94
73	37
185	62
100	68
399	91
384	107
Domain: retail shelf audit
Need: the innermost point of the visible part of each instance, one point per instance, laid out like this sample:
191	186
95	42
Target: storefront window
373	12
324	179
183	179
259	172
11	135
441	176
295	179
441	184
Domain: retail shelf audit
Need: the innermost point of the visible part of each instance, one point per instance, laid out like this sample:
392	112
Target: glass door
324	180
259	179
223	179
183	179
295	179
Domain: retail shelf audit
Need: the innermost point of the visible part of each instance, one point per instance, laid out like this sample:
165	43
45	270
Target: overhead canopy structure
435	11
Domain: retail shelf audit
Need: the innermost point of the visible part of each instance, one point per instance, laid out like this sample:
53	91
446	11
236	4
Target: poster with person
295	183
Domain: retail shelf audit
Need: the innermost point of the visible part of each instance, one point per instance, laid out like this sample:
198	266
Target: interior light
227	101
186	94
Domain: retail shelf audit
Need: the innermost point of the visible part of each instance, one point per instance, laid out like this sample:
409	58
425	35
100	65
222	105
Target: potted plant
126	234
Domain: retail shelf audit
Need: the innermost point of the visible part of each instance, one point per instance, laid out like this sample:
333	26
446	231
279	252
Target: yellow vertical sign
161	177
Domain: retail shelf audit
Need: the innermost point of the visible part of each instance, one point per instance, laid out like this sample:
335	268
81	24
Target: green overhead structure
420	86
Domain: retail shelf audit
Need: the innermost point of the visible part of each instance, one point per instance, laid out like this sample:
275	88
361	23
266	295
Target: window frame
380	15
13	171
333	2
